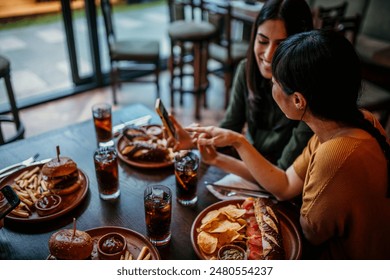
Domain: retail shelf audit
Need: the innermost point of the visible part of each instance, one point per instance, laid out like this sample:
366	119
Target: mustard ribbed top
344	197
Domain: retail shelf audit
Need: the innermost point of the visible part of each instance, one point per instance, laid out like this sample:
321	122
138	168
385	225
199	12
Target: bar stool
19	134
191	38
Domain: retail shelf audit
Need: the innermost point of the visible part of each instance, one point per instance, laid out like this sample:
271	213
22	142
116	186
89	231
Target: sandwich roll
269	225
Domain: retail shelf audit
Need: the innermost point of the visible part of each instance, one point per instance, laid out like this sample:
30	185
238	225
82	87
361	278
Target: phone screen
8	200
163	113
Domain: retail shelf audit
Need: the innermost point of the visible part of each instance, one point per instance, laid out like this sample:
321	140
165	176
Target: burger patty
62	182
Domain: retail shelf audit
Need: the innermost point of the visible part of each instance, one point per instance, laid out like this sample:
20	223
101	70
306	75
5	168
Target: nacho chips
220	227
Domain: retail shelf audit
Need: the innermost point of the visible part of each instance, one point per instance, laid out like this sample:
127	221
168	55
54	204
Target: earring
299	107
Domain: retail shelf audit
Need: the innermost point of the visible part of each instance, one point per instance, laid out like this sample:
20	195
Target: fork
239	192
245	194
15	167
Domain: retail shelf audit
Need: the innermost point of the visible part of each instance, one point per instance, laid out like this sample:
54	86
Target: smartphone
163	113
8	200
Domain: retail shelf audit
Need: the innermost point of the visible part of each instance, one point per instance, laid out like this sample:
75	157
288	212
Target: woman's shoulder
242	63
342	149
241	67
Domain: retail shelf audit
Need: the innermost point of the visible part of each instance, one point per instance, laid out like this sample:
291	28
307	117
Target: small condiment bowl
154	130
48	204
111	246
231	252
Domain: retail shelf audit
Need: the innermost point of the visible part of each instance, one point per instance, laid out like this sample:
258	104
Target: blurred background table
19	240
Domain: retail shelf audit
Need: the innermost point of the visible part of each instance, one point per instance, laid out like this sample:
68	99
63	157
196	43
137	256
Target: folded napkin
232	180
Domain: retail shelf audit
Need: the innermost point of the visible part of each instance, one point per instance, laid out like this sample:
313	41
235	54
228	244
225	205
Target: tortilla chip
222	226
227	237
210	216
233	211
207	242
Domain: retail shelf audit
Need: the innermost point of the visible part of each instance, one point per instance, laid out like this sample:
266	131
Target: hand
217	137
184	140
208	153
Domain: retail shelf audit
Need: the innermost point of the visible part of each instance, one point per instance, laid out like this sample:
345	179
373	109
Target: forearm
232	165
282	184
269	176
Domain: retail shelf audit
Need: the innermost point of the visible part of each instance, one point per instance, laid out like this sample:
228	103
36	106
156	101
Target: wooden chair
327	17
333	18
376	99
349	27
136	53
190	35
5	70
225	49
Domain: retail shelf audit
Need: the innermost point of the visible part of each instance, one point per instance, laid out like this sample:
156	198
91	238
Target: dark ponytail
366	125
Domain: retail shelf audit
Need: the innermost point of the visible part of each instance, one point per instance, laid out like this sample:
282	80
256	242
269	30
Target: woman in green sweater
251	105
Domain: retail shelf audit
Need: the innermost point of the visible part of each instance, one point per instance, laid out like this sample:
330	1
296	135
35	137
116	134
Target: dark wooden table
20	240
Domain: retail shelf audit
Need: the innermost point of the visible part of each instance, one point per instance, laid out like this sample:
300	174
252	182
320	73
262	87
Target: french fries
29	186
127	256
143	255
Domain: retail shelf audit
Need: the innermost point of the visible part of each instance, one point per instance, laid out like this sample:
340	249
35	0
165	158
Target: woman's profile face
285	102
269	35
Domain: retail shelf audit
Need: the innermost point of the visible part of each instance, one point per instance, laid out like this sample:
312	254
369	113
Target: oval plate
135	241
291	237
120	144
69	202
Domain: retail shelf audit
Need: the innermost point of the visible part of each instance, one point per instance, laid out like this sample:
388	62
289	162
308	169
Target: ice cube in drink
157	203
103	122
186	171
106	167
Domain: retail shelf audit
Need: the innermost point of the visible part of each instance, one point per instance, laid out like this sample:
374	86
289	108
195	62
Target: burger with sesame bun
61	175
71	244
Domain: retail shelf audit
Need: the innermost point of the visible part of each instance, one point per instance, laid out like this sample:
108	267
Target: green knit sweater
277	138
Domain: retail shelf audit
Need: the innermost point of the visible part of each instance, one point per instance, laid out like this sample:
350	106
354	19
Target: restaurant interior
58	64
38	90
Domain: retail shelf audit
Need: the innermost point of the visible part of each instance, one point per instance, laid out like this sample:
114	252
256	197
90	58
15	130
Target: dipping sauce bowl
231	252
48	204
111	246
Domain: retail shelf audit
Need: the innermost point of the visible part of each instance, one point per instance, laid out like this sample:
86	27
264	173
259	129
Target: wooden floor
16	9
60	113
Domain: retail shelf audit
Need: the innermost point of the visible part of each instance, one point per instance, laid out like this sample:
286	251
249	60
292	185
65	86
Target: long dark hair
324	67
297	17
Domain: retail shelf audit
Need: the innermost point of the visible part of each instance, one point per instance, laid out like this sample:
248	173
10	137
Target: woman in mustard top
343	173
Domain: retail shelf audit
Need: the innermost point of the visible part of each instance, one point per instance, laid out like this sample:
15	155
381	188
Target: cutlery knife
248	194
230	188
18	168
116	130
20	164
239	191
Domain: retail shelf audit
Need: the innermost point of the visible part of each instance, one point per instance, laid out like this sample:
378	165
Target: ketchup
48	202
112	245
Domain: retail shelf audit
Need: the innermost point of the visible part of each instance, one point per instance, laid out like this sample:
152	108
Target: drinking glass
103	124
158	210
186	173
106	167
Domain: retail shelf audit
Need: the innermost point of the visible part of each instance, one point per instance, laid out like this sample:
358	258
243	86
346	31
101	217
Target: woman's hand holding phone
177	136
184	140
